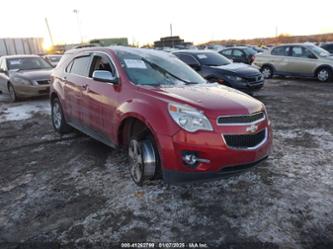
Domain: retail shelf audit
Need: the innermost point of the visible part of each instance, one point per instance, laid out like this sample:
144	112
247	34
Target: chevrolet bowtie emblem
253	128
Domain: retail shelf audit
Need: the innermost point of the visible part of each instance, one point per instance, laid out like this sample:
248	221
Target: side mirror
104	76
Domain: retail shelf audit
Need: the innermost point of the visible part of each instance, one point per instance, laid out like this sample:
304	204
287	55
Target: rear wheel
57	116
12	93
267	72
324	74
143	159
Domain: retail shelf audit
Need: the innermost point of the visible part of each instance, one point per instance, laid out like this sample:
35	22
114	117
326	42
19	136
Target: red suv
172	122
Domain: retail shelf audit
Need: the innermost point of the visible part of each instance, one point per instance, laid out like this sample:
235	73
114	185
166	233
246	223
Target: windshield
27	63
212	59
318	51
157	68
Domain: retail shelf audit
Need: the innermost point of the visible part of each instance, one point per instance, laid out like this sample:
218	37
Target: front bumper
31	91
223	159
173	177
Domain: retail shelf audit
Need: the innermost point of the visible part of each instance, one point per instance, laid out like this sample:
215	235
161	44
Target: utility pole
170	29
276	31
76	11
49	30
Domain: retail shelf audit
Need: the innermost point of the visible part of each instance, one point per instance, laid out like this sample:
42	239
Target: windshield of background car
212	59
27	63
156	68
54	58
319	51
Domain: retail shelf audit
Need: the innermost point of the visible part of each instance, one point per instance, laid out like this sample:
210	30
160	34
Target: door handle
84	86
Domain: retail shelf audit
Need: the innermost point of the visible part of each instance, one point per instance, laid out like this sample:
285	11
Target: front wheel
12	93
57	116
324	74
143	159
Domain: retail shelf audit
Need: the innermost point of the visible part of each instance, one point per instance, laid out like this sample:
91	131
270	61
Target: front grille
43	82
245	141
255	78
244	119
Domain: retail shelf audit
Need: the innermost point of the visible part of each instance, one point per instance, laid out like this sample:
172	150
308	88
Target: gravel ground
73	189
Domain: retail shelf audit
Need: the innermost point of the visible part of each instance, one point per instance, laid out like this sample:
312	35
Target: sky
144	21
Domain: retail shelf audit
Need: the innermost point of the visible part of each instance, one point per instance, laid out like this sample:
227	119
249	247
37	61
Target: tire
324	74
267	71
12	93
144	162
57	116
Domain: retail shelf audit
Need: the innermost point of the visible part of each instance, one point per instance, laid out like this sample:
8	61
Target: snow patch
23	110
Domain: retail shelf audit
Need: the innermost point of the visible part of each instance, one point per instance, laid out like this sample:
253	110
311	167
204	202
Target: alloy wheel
136	161
56	115
323	75
267	72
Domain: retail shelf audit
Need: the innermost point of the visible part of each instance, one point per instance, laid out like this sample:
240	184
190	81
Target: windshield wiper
166	71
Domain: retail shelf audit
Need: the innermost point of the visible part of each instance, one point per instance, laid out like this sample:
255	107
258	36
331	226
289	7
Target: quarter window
227	52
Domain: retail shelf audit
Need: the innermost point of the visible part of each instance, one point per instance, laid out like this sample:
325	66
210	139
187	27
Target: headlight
190	119
234	78
21	81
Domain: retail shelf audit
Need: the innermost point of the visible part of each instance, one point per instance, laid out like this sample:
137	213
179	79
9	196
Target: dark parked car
53	59
328	47
239	54
171	121
24	76
217	68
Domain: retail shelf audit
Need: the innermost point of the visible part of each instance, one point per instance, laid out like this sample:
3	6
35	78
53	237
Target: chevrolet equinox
172	123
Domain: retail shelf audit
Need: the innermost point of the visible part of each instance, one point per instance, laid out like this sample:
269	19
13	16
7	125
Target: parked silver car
300	60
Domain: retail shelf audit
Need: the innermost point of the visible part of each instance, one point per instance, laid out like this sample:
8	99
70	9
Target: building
172	42
12	46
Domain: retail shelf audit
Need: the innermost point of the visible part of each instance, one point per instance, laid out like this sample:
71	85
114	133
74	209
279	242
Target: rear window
212	59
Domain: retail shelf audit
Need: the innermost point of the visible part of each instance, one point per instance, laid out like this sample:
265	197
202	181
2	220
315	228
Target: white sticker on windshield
202	56
133	63
14	62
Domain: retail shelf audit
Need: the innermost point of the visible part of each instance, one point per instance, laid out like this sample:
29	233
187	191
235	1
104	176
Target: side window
80	66
297	52
101	62
227	52
238	53
188	59
280	51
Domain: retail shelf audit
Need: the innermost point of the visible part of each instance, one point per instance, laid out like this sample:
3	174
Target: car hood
212	98
43	74
240	69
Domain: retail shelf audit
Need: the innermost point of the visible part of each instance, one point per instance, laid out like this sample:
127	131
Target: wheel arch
321	67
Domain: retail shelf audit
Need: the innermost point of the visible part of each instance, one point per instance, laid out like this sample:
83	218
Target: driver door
302	62
101	99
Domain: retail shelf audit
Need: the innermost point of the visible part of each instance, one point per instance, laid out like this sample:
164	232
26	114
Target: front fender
155	116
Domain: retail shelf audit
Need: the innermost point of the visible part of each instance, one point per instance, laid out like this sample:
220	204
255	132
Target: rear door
279	59
302	61
75	83
101	99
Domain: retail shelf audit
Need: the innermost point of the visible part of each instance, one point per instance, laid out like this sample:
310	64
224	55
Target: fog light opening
191	159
